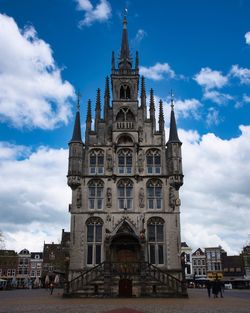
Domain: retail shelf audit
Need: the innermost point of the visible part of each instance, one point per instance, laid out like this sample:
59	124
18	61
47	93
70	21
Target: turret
75	152
174	158
88	118
161	117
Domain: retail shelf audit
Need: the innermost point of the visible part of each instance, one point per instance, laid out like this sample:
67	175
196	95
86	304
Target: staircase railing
164	278
126	269
83	279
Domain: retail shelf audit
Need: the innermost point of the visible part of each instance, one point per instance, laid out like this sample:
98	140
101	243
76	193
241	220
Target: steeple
173	135
89	117
161	117
106	99
137	62
143	97
152	108
125	61
77	137
97	108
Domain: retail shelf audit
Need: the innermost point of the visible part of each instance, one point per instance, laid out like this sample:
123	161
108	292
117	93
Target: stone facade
125	182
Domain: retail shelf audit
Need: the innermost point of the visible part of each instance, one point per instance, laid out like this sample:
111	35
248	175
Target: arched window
125	161
94	240
153	161
156	240
96	162
124	92
95	194
154	194
125	194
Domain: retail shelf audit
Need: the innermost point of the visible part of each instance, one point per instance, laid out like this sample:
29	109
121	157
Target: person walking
216	288
51	288
208	286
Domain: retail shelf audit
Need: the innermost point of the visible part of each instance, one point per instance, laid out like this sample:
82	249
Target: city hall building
125	179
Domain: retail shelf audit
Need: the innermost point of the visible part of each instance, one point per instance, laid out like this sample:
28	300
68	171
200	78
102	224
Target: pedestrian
221	288
51	288
216	288
208	286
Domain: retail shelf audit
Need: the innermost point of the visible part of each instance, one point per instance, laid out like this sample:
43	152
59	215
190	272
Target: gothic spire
125	59
161	117
152	108
77	137
137	62
173	134
106	99
98	108
89	117
143	96
113	61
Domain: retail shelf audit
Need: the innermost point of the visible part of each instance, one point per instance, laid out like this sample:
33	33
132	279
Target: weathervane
79	96
172	99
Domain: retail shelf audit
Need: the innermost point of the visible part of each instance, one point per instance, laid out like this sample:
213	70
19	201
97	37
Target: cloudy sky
50	49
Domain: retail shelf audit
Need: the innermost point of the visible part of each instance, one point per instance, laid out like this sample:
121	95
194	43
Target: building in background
36	263
233	270
23	273
214	262
186	252
8	264
199	265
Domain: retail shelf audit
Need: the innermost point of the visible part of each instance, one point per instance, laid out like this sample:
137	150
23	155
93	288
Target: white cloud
243	74
217	97
183	108
100	13
246	98
212	117
215	195
209	78
157	71
35	195
247	37
140	35
32	93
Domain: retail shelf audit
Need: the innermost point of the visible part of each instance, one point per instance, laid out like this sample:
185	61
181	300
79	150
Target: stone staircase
103	281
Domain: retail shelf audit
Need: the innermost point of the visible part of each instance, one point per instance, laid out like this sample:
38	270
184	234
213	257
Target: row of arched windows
125	194
125	161
155	236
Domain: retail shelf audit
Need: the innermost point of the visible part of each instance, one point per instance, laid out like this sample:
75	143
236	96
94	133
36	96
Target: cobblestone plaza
40	301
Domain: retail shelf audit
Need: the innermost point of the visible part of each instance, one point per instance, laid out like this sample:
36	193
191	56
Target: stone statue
140	161
140	134
141	198
171	198
109	161
109	197
79	197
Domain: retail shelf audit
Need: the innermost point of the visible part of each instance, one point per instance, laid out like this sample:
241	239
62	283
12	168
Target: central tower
125	180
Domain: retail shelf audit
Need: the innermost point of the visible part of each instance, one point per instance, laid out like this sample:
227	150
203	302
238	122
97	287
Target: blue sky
50	49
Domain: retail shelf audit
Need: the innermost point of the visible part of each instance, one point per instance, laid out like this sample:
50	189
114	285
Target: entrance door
125	288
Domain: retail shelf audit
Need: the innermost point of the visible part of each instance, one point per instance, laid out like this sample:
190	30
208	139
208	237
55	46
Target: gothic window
95	194
125	194
124	92
125	161
125	115
154	194
156	240
94	240
153	162
96	162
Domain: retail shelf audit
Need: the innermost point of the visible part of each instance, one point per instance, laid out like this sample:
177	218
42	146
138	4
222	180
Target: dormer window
124	92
